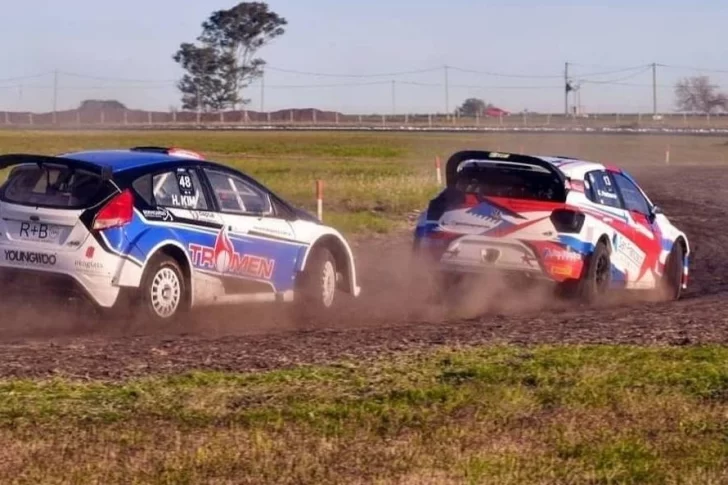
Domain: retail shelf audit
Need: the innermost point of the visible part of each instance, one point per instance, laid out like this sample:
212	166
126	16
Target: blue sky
98	46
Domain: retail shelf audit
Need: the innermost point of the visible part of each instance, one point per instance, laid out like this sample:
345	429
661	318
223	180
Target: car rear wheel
164	292
316	287
597	275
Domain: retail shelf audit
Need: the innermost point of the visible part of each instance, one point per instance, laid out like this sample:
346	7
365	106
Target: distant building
495	112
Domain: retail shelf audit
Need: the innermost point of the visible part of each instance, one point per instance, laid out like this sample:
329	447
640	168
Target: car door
602	191
257	245
644	252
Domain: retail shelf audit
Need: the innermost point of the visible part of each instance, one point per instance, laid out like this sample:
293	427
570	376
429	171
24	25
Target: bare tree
698	94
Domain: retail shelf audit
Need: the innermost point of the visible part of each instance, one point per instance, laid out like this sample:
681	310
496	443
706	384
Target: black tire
316	287
597	275
673	276
163	293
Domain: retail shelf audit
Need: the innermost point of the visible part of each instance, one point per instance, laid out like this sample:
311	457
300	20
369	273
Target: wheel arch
177	252
343	257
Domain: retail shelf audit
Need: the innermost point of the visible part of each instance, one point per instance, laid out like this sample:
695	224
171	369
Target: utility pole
262	91
55	94
447	95
654	89
566	89
394	97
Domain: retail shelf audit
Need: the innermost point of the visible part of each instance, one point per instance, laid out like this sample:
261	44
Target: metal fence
120	118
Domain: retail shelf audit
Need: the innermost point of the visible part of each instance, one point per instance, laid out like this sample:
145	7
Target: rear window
513	181
53	186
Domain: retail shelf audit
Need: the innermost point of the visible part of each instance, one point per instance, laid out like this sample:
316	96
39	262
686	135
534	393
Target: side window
601	189
179	189
633	198
237	196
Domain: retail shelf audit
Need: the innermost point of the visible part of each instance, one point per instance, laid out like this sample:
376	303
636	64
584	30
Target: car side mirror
654	211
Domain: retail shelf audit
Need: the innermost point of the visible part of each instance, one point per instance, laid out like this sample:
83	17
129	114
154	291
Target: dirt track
41	341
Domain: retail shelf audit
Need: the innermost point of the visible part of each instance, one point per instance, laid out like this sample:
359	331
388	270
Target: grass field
372	181
500	415
492	415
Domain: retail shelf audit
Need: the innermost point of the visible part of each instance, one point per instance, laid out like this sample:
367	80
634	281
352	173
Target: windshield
510	181
53	186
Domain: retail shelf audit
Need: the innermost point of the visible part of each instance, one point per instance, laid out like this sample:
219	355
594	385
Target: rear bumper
543	260
42	273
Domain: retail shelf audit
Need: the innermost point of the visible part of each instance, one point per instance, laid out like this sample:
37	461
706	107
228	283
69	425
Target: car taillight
117	212
567	220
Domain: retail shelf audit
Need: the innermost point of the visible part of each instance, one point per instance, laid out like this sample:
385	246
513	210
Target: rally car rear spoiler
11	159
458	158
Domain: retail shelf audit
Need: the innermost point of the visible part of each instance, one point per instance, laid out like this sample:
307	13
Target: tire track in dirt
39	343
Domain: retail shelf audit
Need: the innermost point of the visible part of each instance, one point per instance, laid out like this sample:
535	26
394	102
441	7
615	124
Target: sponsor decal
88	266
561	255
607	195
224	259
185	200
271	230
204	216
499	155
629	250
158	214
528	259
29	257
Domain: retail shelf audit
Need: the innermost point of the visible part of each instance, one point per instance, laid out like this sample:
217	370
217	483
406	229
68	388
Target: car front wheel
316	287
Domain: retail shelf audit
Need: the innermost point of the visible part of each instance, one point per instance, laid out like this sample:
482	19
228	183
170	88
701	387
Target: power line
23	78
613	81
689	68
116	79
322	74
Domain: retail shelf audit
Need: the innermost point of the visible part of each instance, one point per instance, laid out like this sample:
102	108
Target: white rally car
163	230
582	225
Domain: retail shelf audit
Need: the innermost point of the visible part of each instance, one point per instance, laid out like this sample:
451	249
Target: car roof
121	160
575	168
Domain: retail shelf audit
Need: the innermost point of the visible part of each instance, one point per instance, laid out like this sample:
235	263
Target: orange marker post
320	199
438	170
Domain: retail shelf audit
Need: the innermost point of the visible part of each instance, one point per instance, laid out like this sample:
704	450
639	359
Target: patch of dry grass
548	414
373	181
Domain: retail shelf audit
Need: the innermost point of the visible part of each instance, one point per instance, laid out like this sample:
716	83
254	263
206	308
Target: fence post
336	117
102	117
438	170
429	120
222	116
320	199
359	119
291	115
500	115
268	117
667	154
313	112
525	122
78	117
548	119
30	117
7	118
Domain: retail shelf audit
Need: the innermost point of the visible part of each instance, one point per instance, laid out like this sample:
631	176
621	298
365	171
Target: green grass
372	180
548	414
